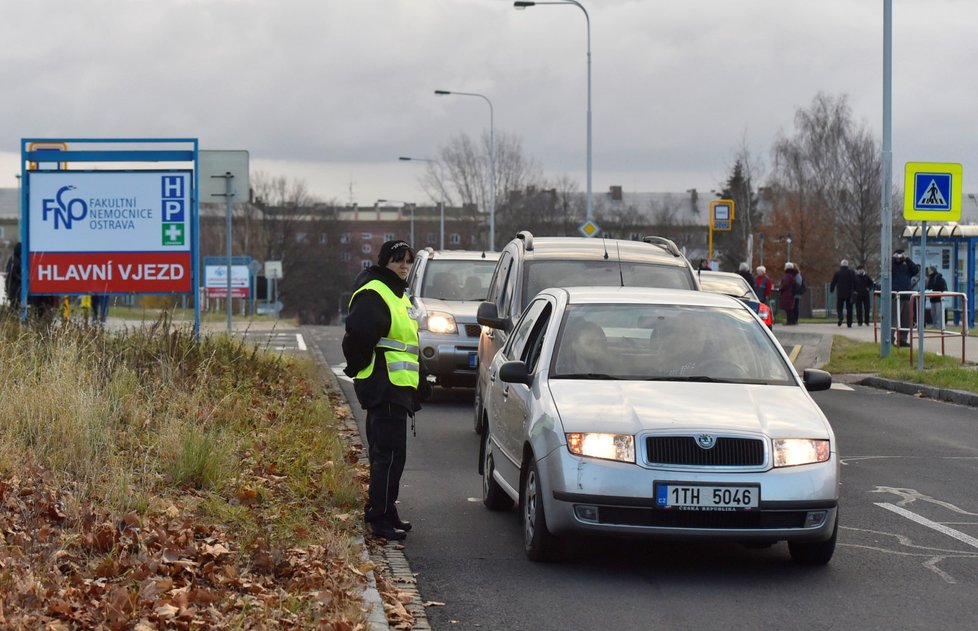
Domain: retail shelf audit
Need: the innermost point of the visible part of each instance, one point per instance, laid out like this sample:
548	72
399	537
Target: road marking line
300	341
836	385
923	521
795	351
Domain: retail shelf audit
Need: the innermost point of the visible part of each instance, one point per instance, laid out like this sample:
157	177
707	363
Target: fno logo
65	212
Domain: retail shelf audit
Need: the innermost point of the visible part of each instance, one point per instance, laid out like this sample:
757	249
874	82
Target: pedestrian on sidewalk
763	285
903	272
863	288
843	283
381	350
936	283
744	272
789	299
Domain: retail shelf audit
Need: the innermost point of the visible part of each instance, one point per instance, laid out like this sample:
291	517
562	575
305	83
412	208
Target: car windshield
602	273
730	285
446	279
666	343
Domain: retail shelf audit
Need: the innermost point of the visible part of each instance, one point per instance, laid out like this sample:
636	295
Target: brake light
765	313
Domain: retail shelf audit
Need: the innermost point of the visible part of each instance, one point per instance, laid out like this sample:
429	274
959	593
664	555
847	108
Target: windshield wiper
696	378
587	375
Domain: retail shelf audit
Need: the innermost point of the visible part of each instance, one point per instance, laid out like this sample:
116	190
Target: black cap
394	250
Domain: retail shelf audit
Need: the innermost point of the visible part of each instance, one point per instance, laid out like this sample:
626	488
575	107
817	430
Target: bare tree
462	175
809	183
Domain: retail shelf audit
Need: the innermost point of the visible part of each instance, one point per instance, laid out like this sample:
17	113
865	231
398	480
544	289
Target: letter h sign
173	198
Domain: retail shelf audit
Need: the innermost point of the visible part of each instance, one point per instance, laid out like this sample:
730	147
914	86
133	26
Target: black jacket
936	282
843	283
369	320
903	273
863	284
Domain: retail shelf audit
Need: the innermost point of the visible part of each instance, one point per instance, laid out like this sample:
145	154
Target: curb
389	556
948	395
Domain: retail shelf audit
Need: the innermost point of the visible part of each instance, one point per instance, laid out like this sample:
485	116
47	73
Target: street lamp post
441	204
492	163
406	204
523	5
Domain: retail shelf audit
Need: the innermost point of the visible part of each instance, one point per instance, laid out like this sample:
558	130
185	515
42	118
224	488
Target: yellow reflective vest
401	342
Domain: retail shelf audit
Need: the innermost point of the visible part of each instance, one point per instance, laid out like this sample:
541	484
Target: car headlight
439	322
789	452
598	445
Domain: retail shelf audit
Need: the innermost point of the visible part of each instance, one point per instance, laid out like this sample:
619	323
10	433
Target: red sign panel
222	292
110	272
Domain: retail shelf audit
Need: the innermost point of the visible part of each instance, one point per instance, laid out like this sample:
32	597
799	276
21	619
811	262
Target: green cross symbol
173	234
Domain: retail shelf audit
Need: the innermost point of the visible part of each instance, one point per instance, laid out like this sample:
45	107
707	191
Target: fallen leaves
64	570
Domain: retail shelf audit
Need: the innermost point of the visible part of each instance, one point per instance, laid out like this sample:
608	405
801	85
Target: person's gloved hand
424	388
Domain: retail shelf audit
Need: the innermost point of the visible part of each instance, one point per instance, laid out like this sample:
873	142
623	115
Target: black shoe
839	324
397	522
385	530
401	525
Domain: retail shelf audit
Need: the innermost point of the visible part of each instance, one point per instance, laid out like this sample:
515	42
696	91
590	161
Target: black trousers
862	308
387	445
845	303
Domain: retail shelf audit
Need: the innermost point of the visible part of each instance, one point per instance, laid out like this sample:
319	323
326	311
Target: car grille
738	520
684	450
473	330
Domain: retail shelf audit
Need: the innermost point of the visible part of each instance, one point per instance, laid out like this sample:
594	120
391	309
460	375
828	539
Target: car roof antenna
604	244
621	274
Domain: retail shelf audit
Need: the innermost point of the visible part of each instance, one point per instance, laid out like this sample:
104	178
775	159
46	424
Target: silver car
659	413
446	287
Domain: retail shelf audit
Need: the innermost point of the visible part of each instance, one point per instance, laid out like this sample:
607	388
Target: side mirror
487	315
816	380
515	372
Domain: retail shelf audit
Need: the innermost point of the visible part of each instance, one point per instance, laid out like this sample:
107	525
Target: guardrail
940	330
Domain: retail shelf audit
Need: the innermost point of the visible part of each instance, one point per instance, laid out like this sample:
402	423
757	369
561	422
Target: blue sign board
932	191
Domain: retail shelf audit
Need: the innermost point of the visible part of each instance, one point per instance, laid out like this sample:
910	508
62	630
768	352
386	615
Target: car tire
493	495
538	543
477	414
817	553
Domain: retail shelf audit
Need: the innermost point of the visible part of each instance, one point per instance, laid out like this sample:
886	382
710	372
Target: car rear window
600	273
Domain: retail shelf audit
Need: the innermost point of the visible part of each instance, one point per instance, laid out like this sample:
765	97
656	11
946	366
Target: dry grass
153	420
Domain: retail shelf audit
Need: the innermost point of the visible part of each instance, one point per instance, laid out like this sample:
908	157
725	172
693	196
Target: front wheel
538	543
818	553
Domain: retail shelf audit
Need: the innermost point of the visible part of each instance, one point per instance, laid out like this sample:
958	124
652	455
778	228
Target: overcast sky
332	91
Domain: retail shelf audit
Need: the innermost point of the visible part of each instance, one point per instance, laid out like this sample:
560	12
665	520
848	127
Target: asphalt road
907	555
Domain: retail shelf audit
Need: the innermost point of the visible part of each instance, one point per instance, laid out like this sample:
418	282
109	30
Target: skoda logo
706	441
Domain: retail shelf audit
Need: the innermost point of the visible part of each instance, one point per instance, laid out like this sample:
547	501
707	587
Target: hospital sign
110	232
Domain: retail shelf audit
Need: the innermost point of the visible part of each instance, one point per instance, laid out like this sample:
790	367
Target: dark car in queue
659	414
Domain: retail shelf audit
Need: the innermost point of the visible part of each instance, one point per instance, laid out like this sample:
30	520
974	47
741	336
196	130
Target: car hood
629	407
463	310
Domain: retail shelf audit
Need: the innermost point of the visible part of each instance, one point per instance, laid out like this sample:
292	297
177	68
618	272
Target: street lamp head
523	5
442	92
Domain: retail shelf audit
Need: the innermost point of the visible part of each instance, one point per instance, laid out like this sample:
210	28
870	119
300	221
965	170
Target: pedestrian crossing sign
932	191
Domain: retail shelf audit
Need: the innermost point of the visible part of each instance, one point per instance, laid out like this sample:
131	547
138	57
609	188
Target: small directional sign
589	228
721	214
932	191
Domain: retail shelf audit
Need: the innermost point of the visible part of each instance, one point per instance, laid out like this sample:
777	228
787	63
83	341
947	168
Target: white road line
301	342
923	521
836	385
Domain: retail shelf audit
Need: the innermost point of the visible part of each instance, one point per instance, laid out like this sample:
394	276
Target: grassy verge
851	357
149	478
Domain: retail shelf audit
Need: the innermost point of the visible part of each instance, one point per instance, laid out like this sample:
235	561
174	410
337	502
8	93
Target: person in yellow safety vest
381	350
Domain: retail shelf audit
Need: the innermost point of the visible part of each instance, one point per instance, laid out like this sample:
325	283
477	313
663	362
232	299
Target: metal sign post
227	195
